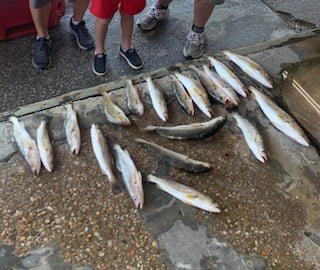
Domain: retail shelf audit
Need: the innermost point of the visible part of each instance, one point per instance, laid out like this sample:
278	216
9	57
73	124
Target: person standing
40	12
202	11
104	11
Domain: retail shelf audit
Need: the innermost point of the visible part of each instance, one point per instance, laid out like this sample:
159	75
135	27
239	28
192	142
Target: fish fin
191	196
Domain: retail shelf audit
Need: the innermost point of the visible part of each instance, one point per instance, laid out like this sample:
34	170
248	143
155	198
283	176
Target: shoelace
83	29
151	15
43	45
194	38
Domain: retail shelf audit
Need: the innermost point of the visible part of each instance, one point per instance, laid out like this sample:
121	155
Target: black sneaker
83	37
41	57
99	64
132	58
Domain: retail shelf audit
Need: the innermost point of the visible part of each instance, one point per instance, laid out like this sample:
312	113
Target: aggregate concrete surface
69	219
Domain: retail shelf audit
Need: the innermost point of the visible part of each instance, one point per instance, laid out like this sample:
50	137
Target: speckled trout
182	95
26	145
197	93
279	118
72	129
228	75
157	98
222	85
250	67
103	156
134	103
186	194
113	113
44	144
177	159
190	131
252	137
131	176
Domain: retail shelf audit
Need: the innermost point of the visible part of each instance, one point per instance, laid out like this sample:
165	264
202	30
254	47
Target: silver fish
72	129
250	67
252	137
228	76
114	114
158	100
197	93
135	105
178	160
44	144
26	145
211	88
279	118
131	176
222	85
191	131
101	152
182	96
184	193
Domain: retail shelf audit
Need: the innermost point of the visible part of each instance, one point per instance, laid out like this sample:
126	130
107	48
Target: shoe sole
98	73
188	56
41	68
132	66
78	42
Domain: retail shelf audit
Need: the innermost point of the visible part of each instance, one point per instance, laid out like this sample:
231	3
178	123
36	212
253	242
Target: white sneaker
194	46
149	20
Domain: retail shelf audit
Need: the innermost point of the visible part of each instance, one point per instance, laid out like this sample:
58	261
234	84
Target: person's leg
40	12
202	11
78	26
126	31
158	12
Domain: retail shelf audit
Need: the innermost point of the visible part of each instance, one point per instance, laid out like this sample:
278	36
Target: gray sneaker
194	46
149	20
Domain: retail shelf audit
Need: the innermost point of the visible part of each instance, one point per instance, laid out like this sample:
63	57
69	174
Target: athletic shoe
41	57
194	46
82	35
132	58
99	64
149	20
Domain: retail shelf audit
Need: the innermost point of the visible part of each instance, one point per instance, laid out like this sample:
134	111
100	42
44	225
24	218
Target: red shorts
105	9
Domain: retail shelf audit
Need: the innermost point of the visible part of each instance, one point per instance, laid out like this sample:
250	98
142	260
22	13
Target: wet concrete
270	211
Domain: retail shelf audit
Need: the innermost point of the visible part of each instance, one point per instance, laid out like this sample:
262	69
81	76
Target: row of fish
221	84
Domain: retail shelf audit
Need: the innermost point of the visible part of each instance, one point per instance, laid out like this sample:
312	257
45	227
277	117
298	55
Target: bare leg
202	12
101	29
126	31
79	8
40	18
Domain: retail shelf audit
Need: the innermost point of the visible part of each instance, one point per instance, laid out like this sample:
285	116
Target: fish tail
149	128
112	142
101	90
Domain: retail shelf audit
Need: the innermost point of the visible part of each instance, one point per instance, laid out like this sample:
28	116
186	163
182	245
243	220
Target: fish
44	144
27	146
176	159
184	193
131	176
134	103
197	93
182	95
157	98
103	156
190	131
113	113
213	91
228	75
252	137
280	118
250	67
72	129
222	85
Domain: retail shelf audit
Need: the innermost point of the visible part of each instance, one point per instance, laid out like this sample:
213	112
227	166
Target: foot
99	64
41	57
82	35
149	20
132	58
194	46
